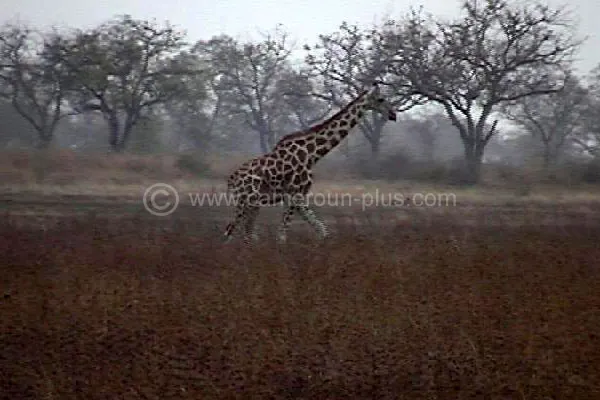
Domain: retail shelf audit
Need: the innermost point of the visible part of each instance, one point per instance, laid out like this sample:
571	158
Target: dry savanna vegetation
488	291
97	306
105	309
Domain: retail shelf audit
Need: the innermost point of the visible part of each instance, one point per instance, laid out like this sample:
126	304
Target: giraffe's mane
319	126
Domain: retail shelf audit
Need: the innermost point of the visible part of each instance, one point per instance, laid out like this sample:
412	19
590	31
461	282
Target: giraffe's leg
240	215
251	214
288	212
309	216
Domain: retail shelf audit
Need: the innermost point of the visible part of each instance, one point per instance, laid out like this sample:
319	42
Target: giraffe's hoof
281	239
323	235
324	238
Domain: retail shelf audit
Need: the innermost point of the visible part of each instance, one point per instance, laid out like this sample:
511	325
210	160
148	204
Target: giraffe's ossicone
285	173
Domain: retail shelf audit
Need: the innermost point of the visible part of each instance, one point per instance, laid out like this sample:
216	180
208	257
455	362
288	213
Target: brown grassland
99	306
100	309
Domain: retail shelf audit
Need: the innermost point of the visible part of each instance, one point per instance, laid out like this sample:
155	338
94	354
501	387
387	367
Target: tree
246	79
426	130
194	111
497	52
552	119
348	61
35	84
15	131
297	89
587	138
123	68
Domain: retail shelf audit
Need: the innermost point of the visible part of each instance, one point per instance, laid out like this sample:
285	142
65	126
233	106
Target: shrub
401	166
591	172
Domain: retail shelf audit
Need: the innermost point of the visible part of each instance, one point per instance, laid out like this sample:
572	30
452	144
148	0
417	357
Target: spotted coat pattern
285	173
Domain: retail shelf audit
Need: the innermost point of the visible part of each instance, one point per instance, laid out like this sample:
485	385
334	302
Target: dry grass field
495	298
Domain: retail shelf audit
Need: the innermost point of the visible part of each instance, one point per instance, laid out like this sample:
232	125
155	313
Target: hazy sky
303	19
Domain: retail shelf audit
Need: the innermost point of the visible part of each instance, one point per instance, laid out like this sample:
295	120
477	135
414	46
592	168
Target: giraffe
285	173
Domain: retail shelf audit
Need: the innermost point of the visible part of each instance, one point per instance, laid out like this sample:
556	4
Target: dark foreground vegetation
120	310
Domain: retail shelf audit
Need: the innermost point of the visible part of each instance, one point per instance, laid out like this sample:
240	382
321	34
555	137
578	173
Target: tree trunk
45	135
473	161
118	148
40	163
372	167
44	141
375	149
270	139
126	135
547	157
264	145
374	136
113	131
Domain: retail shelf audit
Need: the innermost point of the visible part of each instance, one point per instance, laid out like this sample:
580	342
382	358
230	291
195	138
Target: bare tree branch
36	85
497	52
551	118
248	79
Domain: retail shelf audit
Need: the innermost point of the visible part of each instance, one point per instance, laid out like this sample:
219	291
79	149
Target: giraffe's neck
333	131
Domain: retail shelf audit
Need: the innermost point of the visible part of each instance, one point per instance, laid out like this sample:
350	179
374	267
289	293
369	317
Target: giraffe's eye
380	100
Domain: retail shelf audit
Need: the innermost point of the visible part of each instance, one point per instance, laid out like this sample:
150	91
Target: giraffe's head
377	102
